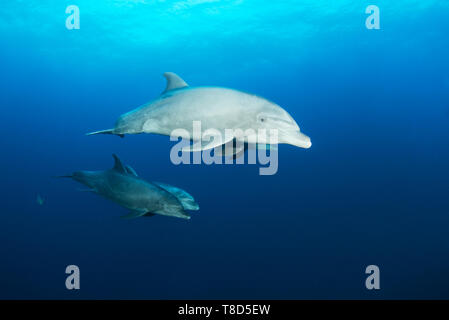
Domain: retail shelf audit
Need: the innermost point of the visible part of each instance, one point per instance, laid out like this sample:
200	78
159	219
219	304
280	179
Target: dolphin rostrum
122	185
216	109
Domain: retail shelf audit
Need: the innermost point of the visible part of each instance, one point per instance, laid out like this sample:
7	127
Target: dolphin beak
297	139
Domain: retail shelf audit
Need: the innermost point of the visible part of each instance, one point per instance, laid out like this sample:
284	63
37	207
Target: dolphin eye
261	118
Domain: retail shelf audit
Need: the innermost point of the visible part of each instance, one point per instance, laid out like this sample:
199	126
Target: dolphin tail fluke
107	131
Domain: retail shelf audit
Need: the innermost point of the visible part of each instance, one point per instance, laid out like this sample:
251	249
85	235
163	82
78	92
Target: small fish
40	200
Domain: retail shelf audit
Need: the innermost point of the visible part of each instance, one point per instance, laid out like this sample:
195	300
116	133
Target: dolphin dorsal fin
118	165
173	82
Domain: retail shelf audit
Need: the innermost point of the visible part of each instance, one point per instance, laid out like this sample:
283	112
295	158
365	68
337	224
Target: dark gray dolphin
122	185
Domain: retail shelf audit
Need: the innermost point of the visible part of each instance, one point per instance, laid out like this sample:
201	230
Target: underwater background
372	189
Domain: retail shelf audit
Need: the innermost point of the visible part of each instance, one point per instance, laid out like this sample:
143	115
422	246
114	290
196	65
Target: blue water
372	189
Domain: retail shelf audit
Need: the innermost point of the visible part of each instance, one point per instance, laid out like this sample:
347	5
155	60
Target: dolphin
122	185
215	108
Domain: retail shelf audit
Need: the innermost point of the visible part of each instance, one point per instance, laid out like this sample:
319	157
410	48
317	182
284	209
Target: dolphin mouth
297	139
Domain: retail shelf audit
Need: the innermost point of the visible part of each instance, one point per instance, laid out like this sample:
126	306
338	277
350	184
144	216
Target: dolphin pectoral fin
226	149
240	152
201	145
149	214
135	214
232	149
174	214
207	145
195	147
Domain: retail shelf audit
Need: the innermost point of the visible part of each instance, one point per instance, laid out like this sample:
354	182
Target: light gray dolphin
122	185
216	108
